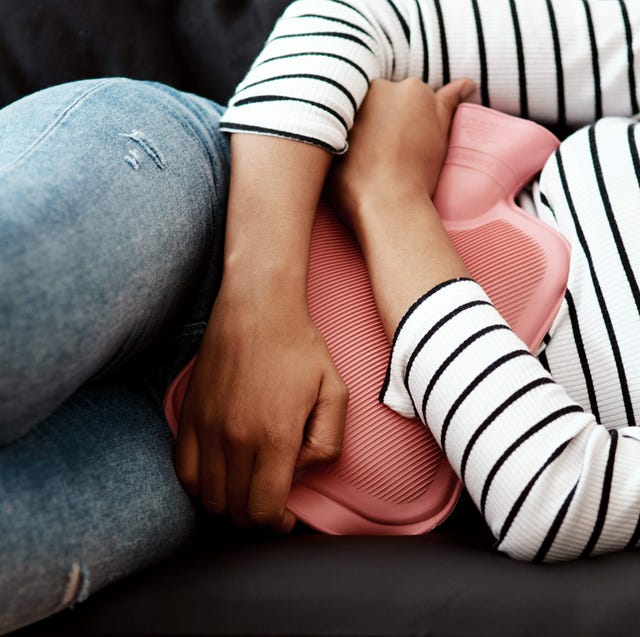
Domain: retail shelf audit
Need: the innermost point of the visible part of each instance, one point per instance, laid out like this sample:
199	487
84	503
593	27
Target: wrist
267	282
385	221
407	252
273	195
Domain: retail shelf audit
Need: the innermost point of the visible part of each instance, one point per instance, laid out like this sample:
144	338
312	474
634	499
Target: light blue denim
112	201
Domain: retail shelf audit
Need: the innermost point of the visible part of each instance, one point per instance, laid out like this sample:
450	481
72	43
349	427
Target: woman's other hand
396	147
383	186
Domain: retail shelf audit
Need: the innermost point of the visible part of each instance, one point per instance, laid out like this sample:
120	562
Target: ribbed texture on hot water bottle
384	455
507	263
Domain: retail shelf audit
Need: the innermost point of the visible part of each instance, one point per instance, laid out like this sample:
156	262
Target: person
113	199
551	466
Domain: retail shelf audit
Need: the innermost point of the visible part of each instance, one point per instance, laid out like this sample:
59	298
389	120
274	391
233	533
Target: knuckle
332	452
277	439
325	452
237	437
262	516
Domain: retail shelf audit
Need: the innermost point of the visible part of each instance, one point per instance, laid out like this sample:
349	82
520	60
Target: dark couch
448	583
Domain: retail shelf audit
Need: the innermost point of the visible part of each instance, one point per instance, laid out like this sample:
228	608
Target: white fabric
555	470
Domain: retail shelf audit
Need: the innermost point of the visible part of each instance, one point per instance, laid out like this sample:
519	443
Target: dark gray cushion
203	46
439	585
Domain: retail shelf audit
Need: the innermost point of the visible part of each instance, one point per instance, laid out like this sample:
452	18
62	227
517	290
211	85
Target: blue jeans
112	200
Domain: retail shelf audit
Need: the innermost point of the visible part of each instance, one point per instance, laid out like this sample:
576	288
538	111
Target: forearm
274	192
550	481
264	397
406	259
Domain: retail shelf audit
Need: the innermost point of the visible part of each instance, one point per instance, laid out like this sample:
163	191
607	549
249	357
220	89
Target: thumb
323	437
450	95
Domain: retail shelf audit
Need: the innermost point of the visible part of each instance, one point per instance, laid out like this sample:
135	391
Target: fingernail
468	90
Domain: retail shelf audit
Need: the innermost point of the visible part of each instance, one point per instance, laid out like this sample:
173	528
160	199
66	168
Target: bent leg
86	498
111	230
111	216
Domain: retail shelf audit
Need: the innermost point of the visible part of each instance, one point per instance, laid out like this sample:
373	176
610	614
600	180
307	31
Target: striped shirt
548	445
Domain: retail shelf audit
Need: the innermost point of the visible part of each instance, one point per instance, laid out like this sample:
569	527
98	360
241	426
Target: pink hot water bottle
392	477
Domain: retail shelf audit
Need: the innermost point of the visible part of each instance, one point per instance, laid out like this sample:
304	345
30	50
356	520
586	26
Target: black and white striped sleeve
551	482
555	61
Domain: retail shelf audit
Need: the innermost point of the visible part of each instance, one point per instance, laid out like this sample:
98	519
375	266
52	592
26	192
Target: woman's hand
396	147
265	399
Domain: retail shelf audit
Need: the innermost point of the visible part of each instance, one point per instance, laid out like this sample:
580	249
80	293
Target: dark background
204	46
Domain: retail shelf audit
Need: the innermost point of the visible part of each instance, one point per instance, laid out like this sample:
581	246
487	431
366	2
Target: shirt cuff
451	304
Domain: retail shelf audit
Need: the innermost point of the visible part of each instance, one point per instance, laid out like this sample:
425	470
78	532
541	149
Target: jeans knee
197	114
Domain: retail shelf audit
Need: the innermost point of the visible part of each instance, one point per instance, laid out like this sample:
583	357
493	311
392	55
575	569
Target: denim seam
55	124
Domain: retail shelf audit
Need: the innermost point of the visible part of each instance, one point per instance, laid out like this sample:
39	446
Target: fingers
277	460
452	94
270	488
240	467
323	438
188	459
213	475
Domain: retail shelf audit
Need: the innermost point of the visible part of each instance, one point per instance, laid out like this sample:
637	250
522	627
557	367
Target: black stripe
446	73
484	71
354	9
594	61
630	58
522	73
456	352
375	27
517	505
604	497
338	20
401	20
544	361
325	34
306	76
613	224
582	355
287	98
501	408
545	202
635	538
562	112
555	527
436	326
559	413
414	306
464	394
249	128
425	46
357	67
615	349
633	148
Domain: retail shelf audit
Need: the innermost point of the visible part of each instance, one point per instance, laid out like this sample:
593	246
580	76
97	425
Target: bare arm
550	481
264	372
